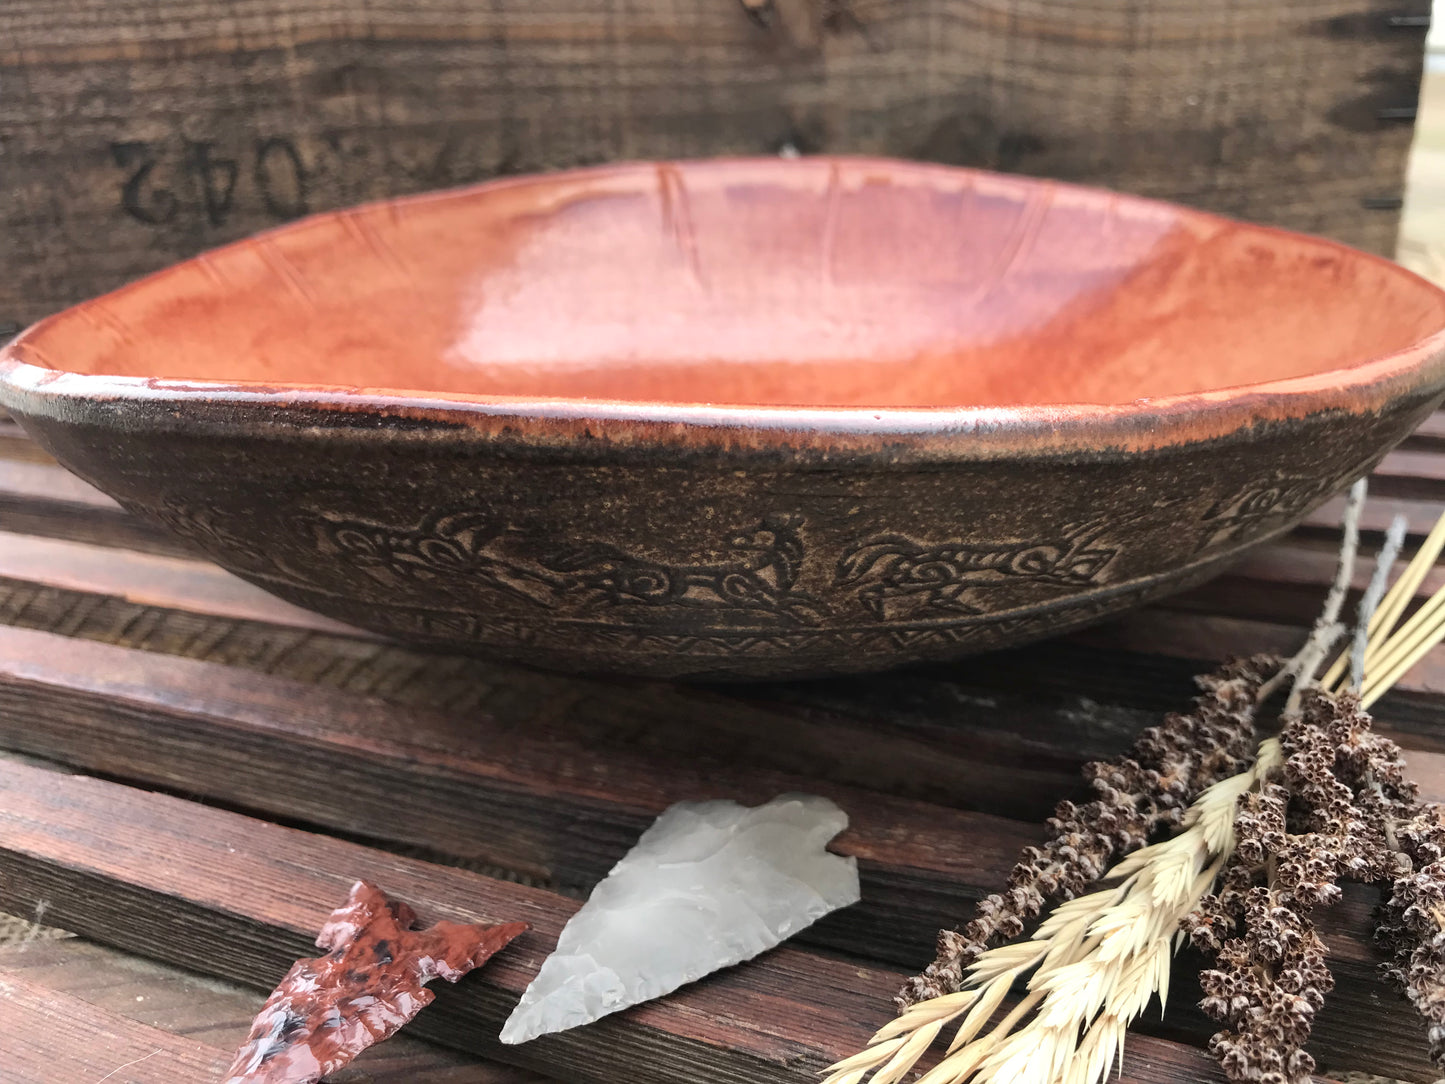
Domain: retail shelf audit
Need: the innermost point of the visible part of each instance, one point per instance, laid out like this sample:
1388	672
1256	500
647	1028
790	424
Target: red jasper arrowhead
369	984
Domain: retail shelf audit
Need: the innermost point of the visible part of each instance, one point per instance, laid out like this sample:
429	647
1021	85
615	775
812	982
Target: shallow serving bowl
748	418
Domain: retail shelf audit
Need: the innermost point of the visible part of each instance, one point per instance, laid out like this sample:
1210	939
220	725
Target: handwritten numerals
280	178
215	177
139	196
167	182
899	577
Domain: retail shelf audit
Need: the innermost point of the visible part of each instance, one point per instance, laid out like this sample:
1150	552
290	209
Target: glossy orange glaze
819	283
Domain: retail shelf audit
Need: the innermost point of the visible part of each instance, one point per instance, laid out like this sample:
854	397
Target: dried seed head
1134	797
1330	813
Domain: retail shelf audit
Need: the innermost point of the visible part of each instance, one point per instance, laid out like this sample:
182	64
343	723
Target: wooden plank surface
891	721
44	497
1144	659
479	789
158	670
51	1037
475	787
237	898
136	132
447	804
72	1011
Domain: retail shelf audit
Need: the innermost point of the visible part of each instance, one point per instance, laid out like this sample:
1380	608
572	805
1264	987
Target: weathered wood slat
456	785
1429	435
51	1037
197	610
1177	645
47	499
473	786
1323	524
458	684
1321	529
136	134
1284	582
16	445
1147	632
20	481
1146	659
1432	427
76	997
238	898
1410	474
144	579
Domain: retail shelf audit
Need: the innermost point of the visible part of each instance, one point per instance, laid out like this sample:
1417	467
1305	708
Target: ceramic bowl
737	419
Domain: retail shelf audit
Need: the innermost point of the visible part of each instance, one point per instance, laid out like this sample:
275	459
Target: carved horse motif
444	548
951	576
1267	506
758	571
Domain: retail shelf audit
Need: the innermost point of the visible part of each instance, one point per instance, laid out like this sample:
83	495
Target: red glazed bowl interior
817	284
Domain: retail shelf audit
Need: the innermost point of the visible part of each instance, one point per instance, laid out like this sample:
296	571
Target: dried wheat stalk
1095	963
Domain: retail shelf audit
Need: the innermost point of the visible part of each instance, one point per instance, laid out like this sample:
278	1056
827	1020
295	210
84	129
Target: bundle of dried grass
1236	867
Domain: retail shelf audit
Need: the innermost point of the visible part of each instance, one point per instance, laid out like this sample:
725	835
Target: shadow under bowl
740	418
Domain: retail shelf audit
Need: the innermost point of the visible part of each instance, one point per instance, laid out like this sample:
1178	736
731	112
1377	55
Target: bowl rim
31	386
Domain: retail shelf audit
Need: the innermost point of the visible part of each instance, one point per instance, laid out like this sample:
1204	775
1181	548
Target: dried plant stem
1374	591
1296	836
1325	800
1327	628
1389	652
1341	808
1403	650
1413	832
1387	615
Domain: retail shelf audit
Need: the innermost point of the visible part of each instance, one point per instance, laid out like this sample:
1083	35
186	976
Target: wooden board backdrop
137	132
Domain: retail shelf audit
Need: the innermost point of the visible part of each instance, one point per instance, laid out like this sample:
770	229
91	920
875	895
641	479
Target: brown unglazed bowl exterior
737	419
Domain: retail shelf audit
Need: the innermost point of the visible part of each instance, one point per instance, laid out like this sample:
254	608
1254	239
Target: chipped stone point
709	885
